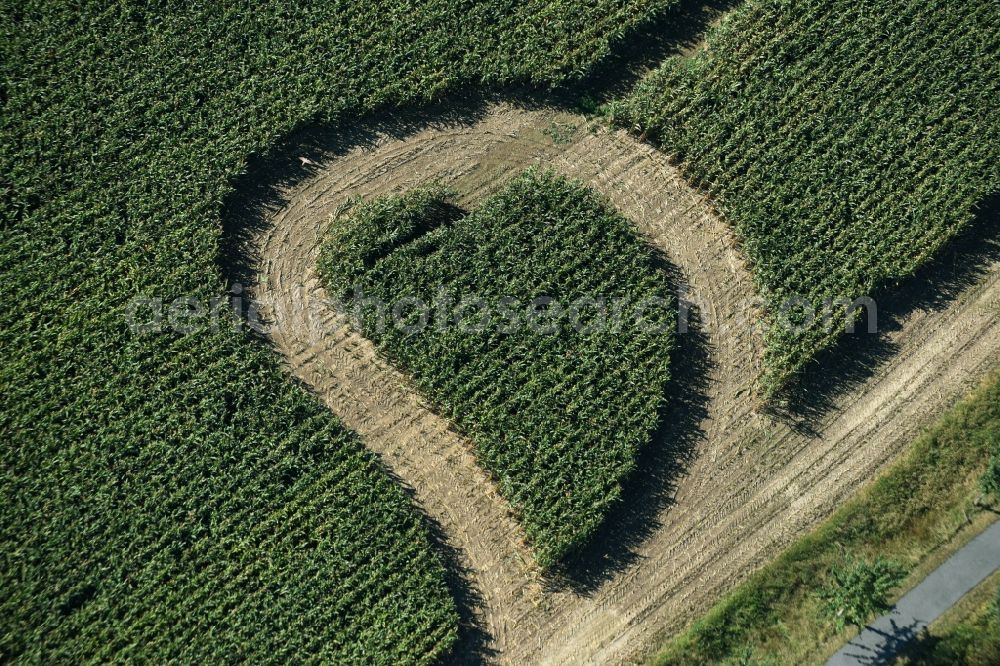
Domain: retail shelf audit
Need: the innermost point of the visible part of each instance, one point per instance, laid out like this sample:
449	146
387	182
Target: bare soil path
753	482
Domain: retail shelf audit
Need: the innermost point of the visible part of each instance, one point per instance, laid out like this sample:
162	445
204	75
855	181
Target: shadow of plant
858	356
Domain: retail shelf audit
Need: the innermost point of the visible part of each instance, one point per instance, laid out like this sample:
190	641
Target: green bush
858	589
991	478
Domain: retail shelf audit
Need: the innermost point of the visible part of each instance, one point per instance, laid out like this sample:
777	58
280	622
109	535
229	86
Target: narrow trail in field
753	484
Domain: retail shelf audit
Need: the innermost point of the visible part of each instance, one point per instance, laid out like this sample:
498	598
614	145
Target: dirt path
753	484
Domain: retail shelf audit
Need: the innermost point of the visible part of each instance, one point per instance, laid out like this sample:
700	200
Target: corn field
172	497
847	142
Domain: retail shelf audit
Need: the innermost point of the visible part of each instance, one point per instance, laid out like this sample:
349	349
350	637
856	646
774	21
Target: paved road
882	639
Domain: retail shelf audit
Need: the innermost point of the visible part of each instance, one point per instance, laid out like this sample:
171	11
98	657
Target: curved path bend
753	483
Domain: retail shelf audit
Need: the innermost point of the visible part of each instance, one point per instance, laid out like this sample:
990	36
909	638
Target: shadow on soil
649	491
258	194
857	357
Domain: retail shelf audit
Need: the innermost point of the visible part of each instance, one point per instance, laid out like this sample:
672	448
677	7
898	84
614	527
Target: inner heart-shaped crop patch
539	323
